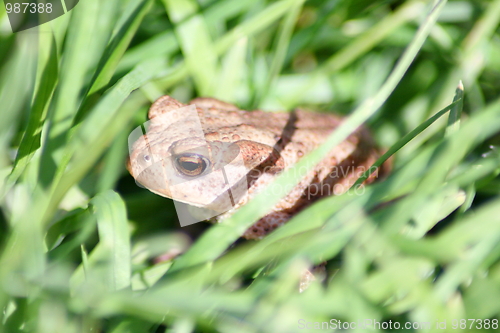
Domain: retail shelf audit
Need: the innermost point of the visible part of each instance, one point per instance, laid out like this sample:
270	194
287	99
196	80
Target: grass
78	238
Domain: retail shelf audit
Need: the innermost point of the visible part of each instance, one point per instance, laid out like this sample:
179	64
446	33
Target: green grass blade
196	44
89	29
114	236
446	156
102	124
484	226
118	44
234	65
404	140
16	84
163	44
113	163
31	141
405	13
255	24
456	111
467	66
282	44
248	28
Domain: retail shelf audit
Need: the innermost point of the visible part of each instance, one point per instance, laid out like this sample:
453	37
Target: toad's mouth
228	196
190	212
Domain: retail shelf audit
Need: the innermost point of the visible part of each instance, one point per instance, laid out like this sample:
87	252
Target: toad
215	157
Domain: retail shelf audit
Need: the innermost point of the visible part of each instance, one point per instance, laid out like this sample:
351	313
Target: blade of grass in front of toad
220	236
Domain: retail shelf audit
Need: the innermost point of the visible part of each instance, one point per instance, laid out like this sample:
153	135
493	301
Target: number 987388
28	7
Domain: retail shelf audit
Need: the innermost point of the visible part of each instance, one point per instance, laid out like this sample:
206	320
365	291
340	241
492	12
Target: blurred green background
78	238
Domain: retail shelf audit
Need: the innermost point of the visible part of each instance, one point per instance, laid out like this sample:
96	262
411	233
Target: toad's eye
147	158
191	164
